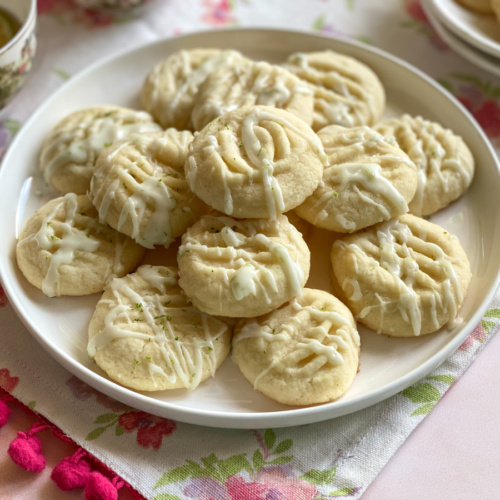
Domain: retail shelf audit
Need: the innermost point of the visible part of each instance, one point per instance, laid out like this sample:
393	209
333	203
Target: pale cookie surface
255	162
248	83
445	165
171	86
64	250
70	150
242	268
405	277
480	6
303	353
146	335
139	187
370	179
346	91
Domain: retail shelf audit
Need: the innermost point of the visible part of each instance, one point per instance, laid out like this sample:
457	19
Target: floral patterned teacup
17	54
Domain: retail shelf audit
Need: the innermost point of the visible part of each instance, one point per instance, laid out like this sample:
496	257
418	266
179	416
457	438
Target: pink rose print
67	10
273	484
6	381
219	12
415	10
420	22
83	391
480	97
478	334
150	429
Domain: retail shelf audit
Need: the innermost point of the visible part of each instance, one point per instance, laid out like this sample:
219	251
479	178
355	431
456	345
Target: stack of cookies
236	160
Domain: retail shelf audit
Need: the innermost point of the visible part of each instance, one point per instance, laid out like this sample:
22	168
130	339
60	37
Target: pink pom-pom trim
26	451
72	472
100	488
5	412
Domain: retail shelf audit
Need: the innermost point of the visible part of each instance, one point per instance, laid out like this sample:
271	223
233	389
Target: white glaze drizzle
332	97
262	158
87	140
250	275
190	79
63	247
330	331
149	209
256	83
184	359
393	238
368	175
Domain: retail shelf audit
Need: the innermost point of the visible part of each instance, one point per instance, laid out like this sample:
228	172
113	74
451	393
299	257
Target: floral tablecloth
168	460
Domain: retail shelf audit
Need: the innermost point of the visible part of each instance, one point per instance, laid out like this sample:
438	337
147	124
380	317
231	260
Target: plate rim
458	45
247	420
472	37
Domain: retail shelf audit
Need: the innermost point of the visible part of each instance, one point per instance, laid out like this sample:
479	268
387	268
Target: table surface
452	455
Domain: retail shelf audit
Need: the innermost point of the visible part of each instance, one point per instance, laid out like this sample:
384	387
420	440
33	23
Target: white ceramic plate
481	31
228	400
481	59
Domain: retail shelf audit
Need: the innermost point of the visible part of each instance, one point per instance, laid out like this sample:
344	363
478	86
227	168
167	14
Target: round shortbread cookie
445	165
346	91
146	335
255	162
403	278
64	250
172	84
303	353
480	6
71	149
249	83
370	179
139	187
242	268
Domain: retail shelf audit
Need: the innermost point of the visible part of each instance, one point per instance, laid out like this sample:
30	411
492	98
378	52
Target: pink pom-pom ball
26	451
70	474
4	413
100	488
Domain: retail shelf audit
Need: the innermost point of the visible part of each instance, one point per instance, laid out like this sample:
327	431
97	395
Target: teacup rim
22	30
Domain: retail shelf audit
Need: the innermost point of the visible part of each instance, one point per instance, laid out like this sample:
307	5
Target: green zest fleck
335	194
107	144
149	358
54	238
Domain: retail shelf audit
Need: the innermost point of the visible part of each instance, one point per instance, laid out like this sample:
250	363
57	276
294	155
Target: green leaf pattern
245	471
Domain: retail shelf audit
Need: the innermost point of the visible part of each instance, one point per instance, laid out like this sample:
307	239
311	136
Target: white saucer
479	30
471	53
